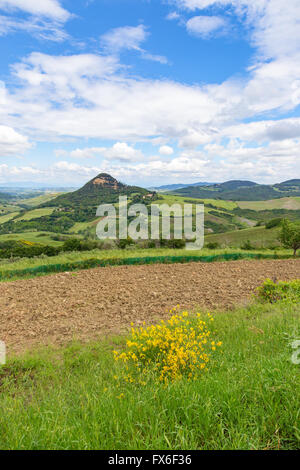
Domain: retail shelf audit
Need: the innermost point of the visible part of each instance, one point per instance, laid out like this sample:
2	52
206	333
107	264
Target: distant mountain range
173	187
106	189
32	186
238	190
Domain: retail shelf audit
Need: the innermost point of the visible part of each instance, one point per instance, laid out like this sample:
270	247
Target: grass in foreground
72	397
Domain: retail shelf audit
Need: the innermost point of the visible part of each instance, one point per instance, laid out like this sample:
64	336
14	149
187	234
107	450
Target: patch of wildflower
173	349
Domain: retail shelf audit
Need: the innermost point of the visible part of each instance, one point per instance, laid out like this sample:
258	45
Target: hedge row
94	263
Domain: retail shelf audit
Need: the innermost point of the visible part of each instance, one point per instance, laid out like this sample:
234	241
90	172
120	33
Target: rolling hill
242	191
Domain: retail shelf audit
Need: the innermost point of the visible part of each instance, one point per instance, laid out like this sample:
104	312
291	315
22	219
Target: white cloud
166	150
204	26
129	38
274	25
11	142
120	151
173	16
126	37
123	152
44	18
36	27
89	95
48	8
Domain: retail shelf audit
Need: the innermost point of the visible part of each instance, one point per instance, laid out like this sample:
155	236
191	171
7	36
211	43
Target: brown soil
88	304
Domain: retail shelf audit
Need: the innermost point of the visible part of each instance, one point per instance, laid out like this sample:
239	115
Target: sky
153	92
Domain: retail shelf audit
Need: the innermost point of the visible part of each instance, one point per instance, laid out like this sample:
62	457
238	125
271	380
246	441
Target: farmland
35	214
258	236
71	396
75	322
290	203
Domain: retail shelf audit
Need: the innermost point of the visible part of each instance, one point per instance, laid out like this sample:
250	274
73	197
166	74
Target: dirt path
86	304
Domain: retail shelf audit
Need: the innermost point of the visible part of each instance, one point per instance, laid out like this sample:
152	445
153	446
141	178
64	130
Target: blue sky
151	91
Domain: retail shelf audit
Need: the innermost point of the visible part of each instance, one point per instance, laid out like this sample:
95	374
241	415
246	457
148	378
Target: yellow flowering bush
173	349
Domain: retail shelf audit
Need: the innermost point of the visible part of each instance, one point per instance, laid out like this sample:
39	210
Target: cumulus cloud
90	96
120	151
166	150
274	26
204	26
11	142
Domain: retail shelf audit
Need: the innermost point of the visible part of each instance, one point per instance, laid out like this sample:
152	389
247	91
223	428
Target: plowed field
84	305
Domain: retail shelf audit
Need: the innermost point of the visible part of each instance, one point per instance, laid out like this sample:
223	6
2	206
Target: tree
290	235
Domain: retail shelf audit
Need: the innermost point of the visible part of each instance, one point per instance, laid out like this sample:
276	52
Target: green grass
36	201
71	257
34	237
291	203
171	199
36	213
68	398
259	237
7	217
79	226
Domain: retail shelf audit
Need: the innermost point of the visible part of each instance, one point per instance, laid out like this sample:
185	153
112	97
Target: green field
172	199
35	237
7	217
258	236
290	203
36	213
80	226
73	397
36	201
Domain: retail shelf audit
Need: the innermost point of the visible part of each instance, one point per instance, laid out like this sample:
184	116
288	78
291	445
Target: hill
65	211
173	187
242	191
101	189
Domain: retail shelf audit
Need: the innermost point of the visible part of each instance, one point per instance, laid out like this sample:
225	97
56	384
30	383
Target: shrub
75	244
274	223
172	243
282	291
168	351
25	249
247	246
213	245
124	243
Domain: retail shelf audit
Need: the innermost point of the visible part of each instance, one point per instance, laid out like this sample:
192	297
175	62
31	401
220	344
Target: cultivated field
89	304
290	203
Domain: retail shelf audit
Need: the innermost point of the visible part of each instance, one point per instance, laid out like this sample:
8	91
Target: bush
213	245
274	223
247	246
168	351
25	249
282	291
172	243
124	243
75	244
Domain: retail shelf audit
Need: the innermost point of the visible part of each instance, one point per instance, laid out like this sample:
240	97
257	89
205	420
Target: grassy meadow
292	203
258	236
248	397
36	213
34	237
